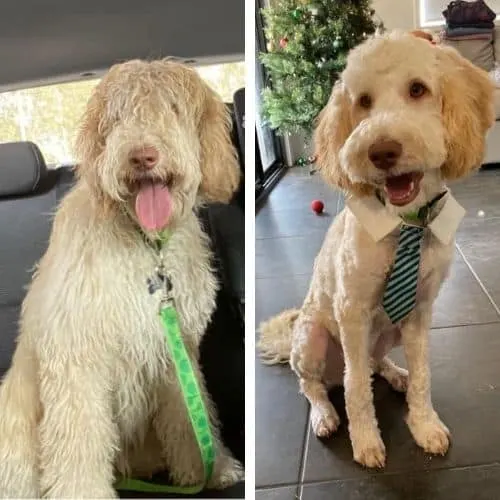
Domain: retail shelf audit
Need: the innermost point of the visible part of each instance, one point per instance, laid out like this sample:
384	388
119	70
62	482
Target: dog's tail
275	342
19	416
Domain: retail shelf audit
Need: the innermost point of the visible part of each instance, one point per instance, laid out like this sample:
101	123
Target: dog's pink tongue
399	187
153	206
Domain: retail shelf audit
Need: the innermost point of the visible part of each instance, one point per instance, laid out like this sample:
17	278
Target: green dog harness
190	388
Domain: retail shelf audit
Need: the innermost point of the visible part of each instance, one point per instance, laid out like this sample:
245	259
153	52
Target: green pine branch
308	43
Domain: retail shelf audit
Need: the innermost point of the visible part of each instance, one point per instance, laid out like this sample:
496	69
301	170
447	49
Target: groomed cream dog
92	393
405	117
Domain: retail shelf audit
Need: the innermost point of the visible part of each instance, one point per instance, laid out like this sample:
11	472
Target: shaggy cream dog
406	117
92	392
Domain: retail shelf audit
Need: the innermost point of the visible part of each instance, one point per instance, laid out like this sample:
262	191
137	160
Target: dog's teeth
412	186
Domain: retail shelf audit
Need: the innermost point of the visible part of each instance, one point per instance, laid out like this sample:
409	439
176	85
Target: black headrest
239	113
22	168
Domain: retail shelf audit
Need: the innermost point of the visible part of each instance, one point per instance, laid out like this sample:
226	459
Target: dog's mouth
153	204
403	189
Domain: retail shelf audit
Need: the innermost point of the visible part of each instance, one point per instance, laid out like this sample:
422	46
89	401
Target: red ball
317	206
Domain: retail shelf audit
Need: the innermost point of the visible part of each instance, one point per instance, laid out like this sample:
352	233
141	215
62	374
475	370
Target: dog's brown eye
365	101
417	89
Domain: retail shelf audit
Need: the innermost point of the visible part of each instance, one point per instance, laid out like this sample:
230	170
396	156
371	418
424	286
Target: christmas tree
308	42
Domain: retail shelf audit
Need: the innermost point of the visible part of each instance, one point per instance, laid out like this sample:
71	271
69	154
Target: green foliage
225	79
308	42
48	116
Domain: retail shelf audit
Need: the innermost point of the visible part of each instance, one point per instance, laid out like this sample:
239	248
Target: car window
225	79
49	115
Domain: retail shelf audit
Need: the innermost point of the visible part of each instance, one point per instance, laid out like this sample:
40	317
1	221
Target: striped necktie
401	287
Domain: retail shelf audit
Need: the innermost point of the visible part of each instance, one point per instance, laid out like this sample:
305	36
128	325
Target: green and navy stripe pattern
401	287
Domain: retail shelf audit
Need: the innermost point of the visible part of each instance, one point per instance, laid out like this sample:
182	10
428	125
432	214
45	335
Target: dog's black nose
385	154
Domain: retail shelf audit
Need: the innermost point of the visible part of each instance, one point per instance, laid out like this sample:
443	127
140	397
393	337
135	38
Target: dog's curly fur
91	393
341	334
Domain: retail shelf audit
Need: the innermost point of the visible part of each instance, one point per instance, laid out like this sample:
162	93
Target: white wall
397	14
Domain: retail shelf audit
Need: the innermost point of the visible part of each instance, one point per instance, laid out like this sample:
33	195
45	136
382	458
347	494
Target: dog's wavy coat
402	106
92	392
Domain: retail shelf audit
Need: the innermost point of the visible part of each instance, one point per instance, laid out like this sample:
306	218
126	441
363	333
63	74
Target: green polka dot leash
188	382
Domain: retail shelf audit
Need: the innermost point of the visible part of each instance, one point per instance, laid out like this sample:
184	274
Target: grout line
281	276
312	232
305	447
401	473
468	264
384	473
297	484
298	492
461	325
275	486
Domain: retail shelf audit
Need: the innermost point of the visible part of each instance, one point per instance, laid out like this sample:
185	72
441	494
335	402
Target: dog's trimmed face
405	116
156	137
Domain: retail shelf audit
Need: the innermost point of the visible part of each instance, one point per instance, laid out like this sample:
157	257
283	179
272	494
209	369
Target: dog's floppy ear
334	125
219	164
89	139
467	112
90	142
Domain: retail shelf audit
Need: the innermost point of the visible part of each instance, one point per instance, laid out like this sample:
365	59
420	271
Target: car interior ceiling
52	40
56	38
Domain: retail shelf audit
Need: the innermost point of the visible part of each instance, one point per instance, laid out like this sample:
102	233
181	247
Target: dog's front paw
369	451
324	422
227	472
430	433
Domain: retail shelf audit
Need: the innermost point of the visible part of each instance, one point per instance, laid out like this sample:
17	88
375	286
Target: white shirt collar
378	222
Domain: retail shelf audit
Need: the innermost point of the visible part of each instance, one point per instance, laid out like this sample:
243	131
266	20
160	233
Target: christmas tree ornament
296	14
337	43
284	42
313	8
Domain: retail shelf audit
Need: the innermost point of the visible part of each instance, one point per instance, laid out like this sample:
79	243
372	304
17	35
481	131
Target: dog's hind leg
180	448
19	414
396	376
309	360
324	418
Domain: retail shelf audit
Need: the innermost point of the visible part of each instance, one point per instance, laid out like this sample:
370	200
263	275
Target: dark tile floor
465	358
